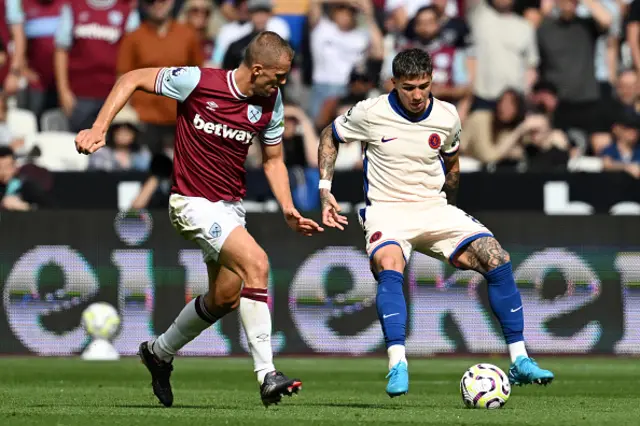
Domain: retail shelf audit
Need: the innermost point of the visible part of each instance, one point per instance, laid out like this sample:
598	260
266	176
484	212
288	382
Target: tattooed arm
327	155
452	177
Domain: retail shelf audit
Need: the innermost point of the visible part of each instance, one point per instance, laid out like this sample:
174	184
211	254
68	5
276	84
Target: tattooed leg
482	255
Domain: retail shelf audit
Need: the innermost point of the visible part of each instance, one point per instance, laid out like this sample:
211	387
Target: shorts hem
468	239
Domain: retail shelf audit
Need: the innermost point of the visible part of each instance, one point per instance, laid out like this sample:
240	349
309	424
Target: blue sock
506	303
392	308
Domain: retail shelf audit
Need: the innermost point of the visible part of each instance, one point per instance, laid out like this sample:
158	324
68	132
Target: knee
390	263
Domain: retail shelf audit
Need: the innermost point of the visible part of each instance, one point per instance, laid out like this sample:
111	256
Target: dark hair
111	135
497	125
267	48
5	151
412	63
410	30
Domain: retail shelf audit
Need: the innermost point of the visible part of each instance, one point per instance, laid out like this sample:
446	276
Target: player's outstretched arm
90	140
327	155
276	172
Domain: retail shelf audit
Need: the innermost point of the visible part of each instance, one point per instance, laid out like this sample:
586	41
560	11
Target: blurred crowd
540	85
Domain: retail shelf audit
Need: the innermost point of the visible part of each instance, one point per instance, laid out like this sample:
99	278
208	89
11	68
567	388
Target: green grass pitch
336	391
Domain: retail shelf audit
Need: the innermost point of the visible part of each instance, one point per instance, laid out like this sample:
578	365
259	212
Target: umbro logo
385	140
211	106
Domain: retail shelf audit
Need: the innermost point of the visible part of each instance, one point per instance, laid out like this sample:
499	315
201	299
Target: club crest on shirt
434	141
254	112
375	237
178	71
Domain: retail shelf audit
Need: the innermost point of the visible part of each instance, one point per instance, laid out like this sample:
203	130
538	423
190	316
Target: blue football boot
398	380
525	371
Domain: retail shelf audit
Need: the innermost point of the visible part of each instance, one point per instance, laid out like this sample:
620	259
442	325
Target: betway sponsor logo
98	32
222	130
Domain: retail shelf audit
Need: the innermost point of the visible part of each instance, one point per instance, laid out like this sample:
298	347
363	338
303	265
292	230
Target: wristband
324	184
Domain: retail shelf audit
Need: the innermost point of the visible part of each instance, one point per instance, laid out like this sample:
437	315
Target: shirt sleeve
177	82
272	135
64	32
352	126
133	21
452	143
14	12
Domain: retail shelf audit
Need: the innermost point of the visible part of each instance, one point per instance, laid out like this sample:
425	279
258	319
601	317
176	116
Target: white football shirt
402	156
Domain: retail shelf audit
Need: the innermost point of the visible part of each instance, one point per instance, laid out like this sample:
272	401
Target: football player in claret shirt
220	113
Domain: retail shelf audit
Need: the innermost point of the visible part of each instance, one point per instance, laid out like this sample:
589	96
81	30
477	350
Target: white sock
396	354
516	349
256	321
186	327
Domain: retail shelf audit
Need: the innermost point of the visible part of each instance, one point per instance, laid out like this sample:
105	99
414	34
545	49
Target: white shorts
434	228
205	222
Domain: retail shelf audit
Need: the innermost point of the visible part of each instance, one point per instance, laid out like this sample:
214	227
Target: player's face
269	78
414	93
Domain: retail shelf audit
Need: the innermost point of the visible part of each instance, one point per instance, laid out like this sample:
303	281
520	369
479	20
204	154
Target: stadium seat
54	120
585	164
23	124
58	152
469	165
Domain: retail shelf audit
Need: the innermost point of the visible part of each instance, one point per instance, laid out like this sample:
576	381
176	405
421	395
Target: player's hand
331	211
89	141
306	227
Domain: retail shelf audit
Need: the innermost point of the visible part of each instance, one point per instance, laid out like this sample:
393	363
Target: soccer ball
485	386
101	320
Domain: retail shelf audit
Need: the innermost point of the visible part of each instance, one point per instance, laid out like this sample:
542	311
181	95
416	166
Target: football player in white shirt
411	176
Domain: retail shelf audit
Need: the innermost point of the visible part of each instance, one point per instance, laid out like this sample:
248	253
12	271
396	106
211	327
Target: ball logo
375	237
434	141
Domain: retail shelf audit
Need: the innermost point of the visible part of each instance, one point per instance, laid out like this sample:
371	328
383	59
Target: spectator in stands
450	76
197	13
17	191
567	46
299	141
14	42
159	42
492	136
156	189
87	40
607	48
625	101
543	99
546	149
401	12
361	87
123	151
633	34
503	53
41	21
7	138
260	13
242	25
624	153
337	45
